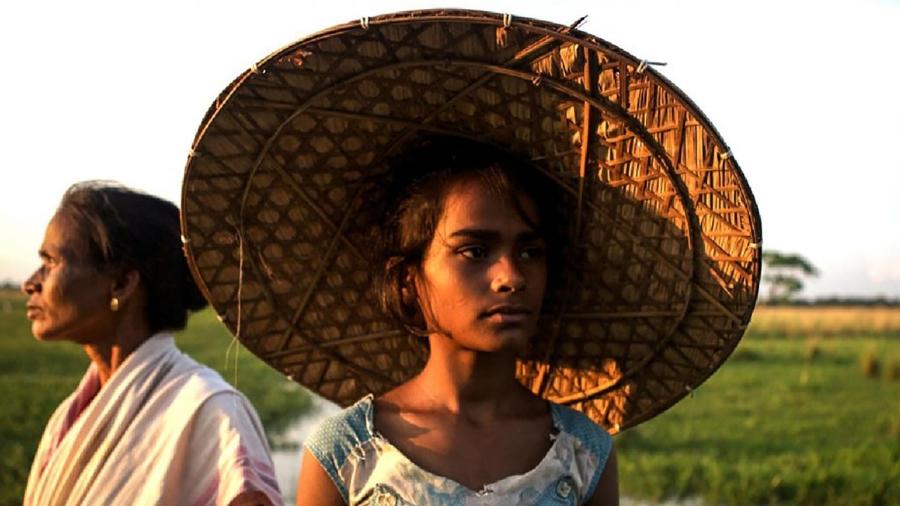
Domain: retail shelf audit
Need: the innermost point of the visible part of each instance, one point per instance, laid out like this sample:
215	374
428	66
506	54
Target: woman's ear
126	285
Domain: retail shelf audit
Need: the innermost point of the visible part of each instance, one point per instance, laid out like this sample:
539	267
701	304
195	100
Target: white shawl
163	430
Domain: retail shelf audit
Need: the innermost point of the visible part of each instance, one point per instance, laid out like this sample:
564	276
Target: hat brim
668	233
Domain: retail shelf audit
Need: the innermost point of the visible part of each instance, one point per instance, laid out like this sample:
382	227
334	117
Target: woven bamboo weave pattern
275	199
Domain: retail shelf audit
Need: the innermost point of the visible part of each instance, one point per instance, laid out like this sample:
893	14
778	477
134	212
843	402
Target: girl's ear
408	292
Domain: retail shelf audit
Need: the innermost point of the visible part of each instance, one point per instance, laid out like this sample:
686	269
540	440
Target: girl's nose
508	277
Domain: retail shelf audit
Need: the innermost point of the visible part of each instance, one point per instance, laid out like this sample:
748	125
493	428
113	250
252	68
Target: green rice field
785	421
806	411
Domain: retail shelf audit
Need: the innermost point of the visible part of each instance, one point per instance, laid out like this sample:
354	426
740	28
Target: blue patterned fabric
368	469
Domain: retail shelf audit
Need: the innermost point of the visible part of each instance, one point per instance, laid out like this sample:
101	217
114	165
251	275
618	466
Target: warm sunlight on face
68	298
485	272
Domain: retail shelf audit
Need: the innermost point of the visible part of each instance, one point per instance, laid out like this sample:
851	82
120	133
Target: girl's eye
473	252
532	252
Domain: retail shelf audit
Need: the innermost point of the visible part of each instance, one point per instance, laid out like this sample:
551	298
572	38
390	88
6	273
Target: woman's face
483	275
68	297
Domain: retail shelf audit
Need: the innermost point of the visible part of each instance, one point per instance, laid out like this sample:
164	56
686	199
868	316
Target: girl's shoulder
340	436
584	451
583	429
344	430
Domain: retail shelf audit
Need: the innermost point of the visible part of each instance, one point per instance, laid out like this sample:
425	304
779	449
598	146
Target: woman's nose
508	277
32	284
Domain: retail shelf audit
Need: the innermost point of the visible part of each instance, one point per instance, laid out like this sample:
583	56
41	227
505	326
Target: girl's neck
478	385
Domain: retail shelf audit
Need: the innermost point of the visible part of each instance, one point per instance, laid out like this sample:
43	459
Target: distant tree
785	273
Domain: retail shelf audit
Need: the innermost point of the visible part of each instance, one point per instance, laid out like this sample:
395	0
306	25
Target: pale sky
804	92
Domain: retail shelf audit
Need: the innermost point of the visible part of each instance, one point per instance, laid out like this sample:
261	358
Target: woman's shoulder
192	379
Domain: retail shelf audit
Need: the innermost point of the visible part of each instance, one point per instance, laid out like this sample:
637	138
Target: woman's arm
607	491
227	459
252	498
314	486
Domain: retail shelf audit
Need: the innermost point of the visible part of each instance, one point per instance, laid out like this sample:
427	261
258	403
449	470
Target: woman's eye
473	252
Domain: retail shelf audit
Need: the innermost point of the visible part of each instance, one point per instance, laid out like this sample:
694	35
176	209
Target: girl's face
68	297
483	275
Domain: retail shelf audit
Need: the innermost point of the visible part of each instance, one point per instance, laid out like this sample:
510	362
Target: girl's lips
507	314
32	312
508	317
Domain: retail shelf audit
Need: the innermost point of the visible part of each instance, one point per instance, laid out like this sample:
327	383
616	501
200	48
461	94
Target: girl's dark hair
419	181
128	230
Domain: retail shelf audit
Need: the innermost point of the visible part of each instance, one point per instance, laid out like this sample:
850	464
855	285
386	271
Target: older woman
147	424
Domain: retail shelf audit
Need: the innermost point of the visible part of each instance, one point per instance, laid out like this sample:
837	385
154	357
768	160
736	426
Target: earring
114	304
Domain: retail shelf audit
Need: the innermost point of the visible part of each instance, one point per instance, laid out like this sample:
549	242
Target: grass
791	418
827	321
776	425
35	377
892	372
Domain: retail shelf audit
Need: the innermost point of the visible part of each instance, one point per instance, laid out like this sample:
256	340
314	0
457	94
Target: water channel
287	460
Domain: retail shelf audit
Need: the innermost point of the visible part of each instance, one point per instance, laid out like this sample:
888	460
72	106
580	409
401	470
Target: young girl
658	295
471	246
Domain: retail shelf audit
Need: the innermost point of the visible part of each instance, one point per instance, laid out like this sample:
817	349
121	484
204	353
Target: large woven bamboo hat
668	233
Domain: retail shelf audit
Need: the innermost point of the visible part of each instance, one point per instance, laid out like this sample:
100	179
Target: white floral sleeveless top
368	470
